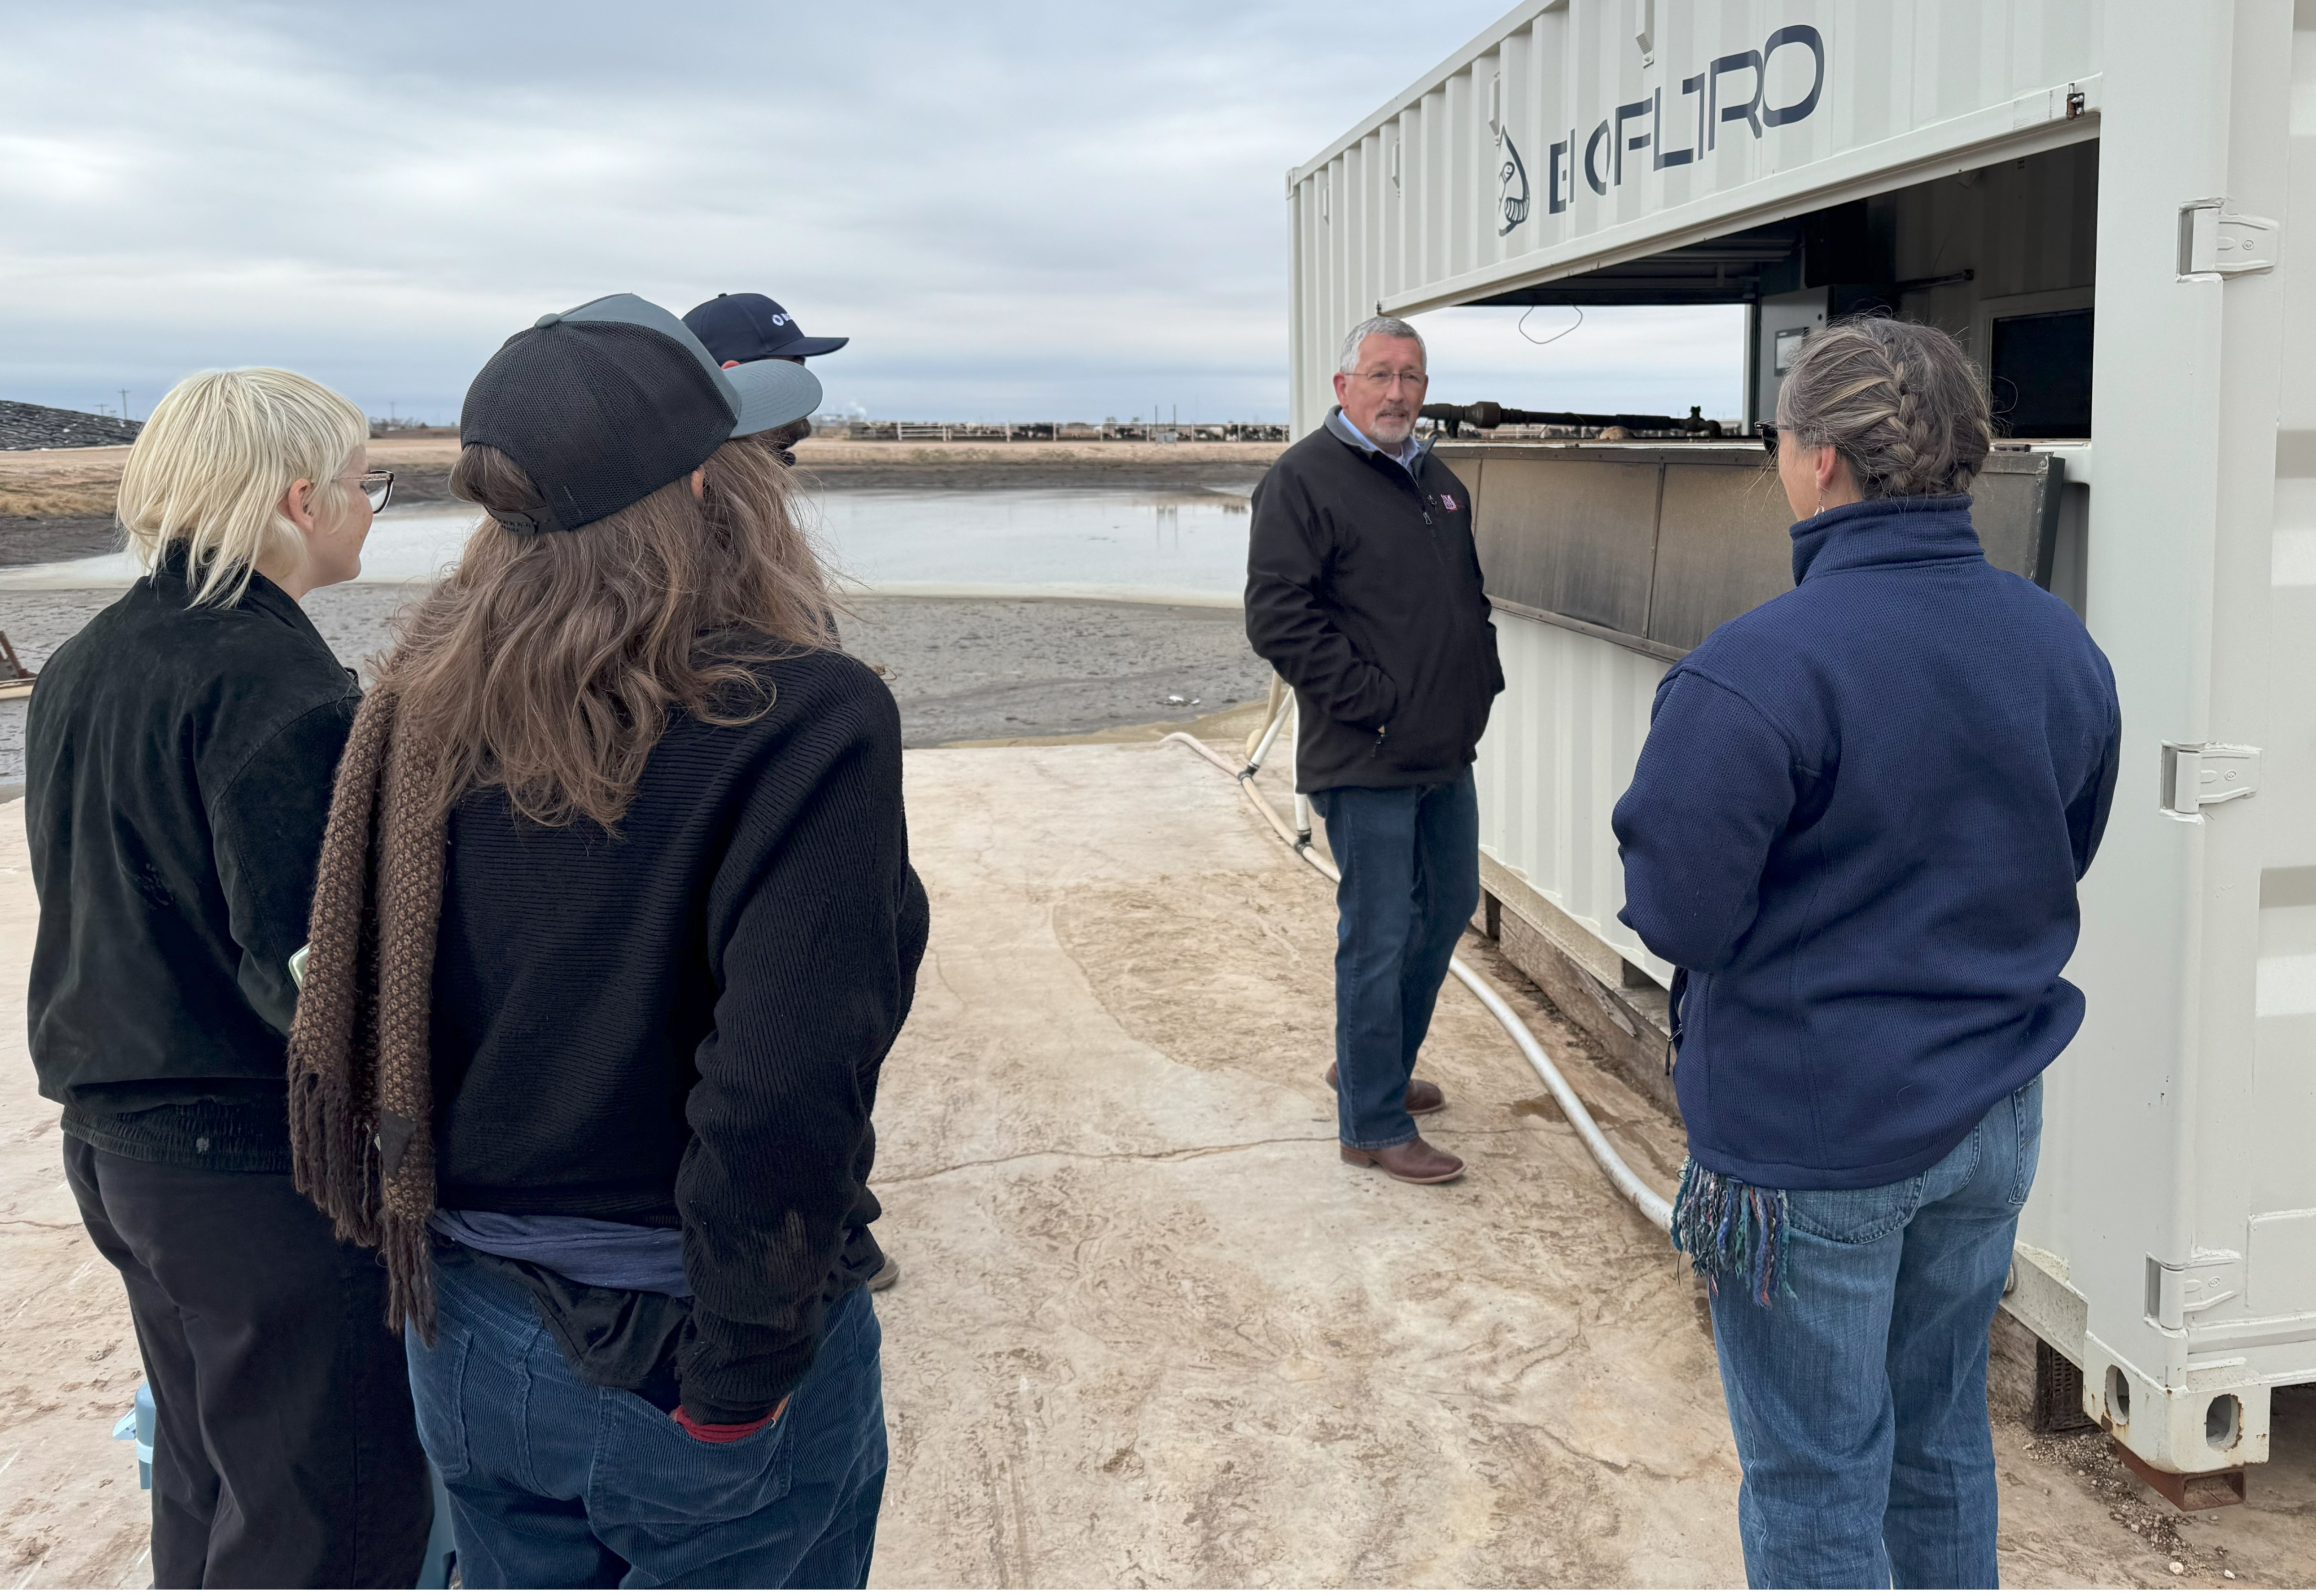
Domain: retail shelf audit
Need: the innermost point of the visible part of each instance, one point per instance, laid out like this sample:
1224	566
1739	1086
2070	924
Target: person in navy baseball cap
741	328
607	402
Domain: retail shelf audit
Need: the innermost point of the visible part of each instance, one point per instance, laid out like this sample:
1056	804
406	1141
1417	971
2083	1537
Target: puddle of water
1186	548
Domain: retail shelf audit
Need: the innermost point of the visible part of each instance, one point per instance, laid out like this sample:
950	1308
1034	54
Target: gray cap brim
763	394
772	394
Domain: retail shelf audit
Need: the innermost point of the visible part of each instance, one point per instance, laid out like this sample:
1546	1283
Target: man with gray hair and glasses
1363	592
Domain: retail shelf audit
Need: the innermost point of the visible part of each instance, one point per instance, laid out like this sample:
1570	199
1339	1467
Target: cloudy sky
1016	210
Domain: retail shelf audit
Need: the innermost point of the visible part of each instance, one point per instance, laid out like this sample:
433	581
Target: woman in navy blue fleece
1856	828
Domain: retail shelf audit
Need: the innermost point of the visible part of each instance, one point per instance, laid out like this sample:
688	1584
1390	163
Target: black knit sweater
681	1023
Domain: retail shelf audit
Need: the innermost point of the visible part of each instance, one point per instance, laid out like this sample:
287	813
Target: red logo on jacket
1447	501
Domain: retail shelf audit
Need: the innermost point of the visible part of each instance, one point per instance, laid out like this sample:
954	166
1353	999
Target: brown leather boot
1422	1096
1417	1162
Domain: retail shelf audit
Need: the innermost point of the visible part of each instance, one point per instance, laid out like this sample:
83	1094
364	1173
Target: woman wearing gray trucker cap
614	926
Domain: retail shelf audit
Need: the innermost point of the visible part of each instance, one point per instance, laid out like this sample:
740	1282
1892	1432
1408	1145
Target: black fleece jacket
1363	592
178	759
681	1022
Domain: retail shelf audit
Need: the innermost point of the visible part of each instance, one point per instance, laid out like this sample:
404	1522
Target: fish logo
1513	206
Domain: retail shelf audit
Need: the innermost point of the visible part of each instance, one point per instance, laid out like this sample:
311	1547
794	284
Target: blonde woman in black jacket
179	751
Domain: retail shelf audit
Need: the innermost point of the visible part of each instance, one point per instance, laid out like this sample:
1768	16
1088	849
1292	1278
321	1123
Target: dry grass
824	454
59	481
85	481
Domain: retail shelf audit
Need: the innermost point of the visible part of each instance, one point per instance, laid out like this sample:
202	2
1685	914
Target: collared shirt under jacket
1363	591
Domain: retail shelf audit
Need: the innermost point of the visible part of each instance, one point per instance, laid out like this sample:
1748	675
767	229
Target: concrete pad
1149	1329
1151	1332
70	1512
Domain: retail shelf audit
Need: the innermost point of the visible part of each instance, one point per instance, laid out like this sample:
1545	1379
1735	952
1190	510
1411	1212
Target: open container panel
2097	196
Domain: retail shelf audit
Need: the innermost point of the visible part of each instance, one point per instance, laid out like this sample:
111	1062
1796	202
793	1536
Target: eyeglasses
376	486
1770	439
1384	379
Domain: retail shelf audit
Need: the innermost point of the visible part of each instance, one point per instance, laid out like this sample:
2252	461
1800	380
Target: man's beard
784	439
1393	430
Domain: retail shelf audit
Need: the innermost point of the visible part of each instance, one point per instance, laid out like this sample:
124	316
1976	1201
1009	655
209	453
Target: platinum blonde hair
210	469
1390	327
1899	401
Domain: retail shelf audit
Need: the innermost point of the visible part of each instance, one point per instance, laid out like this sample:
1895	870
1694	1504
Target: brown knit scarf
361	1098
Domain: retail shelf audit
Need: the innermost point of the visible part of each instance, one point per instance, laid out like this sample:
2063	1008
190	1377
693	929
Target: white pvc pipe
1654	1206
1269	736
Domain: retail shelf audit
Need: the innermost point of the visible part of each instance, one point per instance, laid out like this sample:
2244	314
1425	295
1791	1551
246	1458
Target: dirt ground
1138	466
962	670
1149	1330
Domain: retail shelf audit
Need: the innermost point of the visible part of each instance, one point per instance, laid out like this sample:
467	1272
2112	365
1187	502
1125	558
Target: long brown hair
549	662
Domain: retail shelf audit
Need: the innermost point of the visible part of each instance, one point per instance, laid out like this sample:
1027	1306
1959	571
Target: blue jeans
1859	1403
557	1483
1410	863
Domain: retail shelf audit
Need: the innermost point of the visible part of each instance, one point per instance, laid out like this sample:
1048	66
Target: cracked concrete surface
1150	1331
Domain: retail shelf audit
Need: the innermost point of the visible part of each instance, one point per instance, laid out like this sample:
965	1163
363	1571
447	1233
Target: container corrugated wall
1477	178
1559	752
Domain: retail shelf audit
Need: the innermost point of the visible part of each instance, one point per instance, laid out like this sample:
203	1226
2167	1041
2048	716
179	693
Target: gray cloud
1015	210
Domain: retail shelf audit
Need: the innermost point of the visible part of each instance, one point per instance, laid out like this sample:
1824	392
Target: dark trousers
1410	857
285	1451
555	1484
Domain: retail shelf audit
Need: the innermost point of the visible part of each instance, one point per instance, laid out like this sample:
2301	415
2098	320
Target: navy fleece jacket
1856	826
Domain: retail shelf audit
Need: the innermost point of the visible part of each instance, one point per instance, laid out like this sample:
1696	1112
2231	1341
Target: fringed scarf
1732	1230
361	1098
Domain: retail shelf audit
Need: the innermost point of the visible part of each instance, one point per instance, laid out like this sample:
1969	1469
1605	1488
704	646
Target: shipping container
2095	196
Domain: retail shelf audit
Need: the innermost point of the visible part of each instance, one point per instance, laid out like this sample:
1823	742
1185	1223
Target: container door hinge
2213	244
2198	774
2176	1291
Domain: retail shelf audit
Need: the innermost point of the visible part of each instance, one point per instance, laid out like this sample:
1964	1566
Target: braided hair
1897	400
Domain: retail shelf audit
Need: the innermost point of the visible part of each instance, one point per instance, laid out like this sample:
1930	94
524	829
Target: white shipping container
2095	195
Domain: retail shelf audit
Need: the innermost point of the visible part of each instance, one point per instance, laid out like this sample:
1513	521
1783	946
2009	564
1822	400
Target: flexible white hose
1654	1208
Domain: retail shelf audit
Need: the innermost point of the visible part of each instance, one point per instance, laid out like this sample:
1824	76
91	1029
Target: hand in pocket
723	1434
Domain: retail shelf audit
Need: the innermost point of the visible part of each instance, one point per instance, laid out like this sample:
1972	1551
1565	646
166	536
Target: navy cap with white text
748	327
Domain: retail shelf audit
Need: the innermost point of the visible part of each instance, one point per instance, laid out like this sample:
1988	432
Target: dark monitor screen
2042	375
